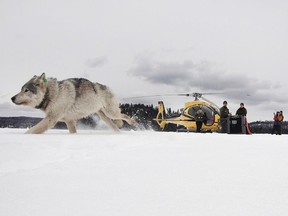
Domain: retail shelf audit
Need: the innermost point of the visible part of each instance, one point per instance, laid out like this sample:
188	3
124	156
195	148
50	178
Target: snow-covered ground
142	173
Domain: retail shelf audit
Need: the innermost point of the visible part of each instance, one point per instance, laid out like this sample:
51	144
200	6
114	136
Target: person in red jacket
278	118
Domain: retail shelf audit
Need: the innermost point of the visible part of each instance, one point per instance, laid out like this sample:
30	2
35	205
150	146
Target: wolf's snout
13	99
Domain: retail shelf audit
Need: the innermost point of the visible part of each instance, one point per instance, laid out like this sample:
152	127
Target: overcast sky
151	47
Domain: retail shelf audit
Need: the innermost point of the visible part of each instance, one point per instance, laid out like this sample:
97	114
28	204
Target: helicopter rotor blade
150	96
199	94
196	95
210	102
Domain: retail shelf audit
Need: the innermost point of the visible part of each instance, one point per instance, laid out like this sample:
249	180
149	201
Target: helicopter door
210	115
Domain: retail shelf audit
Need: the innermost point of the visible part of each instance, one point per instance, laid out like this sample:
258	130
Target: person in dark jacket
281	121
242	111
282	116
224	117
199	118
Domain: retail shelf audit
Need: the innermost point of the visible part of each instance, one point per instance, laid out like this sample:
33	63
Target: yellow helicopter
186	119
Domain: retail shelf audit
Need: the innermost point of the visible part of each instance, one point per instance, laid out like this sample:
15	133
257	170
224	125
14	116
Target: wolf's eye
26	90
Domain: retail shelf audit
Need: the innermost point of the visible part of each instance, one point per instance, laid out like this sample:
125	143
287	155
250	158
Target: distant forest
143	114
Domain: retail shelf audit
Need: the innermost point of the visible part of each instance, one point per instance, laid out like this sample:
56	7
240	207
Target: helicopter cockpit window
207	110
192	111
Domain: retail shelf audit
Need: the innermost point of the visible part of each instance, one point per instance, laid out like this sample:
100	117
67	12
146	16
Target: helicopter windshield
215	108
210	113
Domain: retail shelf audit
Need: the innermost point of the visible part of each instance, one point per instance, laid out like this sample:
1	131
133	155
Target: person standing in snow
199	118
281	121
278	118
242	111
224	117
282	116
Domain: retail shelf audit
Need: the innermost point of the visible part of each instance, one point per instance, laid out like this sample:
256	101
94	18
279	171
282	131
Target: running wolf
69	100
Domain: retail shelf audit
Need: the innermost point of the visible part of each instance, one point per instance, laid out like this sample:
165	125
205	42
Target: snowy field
142	173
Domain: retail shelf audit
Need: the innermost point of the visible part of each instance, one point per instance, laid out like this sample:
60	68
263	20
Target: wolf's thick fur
69	100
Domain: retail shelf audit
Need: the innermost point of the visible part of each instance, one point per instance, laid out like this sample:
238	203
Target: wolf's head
33	92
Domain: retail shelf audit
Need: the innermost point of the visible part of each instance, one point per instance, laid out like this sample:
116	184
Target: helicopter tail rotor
160	118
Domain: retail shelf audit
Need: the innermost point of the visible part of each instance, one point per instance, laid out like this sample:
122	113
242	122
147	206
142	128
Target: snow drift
142	173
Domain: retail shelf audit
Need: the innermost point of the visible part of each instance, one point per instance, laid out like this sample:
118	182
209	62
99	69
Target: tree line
265	127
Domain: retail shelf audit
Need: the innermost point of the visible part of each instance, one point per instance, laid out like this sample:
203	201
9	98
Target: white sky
151	47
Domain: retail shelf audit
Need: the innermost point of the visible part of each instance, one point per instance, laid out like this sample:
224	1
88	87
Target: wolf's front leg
42	126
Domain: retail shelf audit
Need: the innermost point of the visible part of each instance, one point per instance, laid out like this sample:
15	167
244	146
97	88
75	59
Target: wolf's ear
43	78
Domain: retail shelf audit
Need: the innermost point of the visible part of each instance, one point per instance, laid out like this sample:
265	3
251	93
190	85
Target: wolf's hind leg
129	120
116	115
71	125
118	122
114	112
107	120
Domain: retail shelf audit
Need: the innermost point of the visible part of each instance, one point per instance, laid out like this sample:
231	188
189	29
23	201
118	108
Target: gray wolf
70	100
